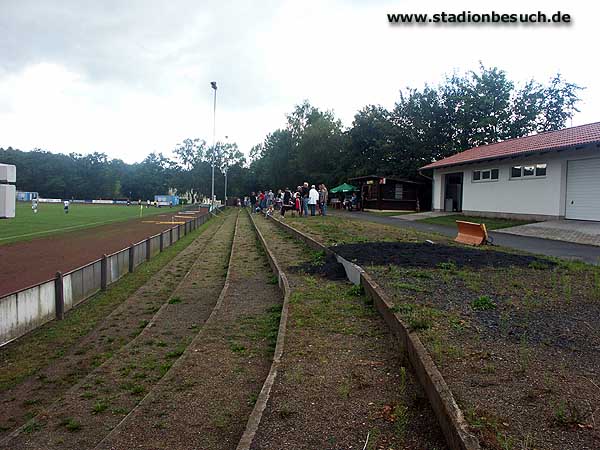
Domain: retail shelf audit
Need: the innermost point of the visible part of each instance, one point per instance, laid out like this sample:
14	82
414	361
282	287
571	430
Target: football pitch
51	219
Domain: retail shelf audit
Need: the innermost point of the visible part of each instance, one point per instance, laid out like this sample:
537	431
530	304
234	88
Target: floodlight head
213	84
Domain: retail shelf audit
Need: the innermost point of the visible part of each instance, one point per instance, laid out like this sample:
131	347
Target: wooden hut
393	193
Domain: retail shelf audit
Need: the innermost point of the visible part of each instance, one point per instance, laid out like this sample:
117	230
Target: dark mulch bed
417	254
330	269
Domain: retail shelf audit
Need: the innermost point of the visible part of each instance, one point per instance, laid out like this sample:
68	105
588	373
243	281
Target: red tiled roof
569	137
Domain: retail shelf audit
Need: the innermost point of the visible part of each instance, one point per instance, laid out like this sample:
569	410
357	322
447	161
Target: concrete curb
265	392
447	411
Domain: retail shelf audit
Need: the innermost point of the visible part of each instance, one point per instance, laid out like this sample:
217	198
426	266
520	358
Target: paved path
559	249
423	215
577	231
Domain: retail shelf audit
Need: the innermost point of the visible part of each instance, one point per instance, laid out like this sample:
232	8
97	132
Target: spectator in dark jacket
288	203
304	198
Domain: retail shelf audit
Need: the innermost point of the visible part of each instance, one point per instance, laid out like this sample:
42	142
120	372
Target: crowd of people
303	200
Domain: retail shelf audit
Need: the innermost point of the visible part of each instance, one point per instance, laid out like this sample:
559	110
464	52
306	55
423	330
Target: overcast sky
131	77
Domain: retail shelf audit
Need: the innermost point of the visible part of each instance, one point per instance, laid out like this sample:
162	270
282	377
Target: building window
486	175
529	171
540	170
399	194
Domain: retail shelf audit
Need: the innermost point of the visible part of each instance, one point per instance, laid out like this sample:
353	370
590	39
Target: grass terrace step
205	400
42	365
342	381
89	411
515	336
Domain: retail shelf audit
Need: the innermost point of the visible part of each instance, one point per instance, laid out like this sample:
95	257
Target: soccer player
66	206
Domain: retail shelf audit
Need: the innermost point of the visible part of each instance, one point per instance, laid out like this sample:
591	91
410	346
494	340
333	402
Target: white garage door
583	189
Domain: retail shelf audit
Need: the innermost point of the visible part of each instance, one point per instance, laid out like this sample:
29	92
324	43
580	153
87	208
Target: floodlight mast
226	168
213	84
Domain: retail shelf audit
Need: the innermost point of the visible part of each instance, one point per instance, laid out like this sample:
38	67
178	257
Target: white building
550	175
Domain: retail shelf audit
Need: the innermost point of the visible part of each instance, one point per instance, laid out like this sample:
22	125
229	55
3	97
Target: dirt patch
411	254
205	400
342	379
41	366
26	263
94	406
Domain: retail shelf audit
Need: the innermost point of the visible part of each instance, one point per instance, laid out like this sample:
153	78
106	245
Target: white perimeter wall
536	195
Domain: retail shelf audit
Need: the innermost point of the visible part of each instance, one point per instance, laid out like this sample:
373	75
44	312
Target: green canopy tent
343	188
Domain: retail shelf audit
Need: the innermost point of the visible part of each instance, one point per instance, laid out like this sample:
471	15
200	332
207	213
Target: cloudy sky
130	77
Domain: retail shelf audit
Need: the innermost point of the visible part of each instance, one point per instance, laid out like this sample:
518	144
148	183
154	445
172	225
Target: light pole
213	84
225	186
226	169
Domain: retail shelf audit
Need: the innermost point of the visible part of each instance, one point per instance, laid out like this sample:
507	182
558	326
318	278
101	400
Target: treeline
96	176
465	110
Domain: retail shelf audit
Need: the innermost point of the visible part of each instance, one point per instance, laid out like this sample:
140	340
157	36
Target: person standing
66	206
304	194
354	202
323	198
253	201
313	198
270	198
287	201
298	204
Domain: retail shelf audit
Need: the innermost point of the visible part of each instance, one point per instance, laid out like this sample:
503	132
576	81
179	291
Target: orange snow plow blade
471	233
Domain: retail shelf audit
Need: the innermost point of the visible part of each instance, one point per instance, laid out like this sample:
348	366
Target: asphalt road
559	249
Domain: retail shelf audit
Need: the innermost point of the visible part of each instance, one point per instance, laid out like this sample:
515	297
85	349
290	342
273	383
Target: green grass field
51	219
490	223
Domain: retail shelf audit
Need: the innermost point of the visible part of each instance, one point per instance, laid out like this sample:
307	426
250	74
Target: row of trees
476	108
96	176
465	110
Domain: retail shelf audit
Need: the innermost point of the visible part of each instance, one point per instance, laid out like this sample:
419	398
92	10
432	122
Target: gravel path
342	378
99	402
30	396
204	401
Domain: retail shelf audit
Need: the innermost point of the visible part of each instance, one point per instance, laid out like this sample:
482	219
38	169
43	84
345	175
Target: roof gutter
424	176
